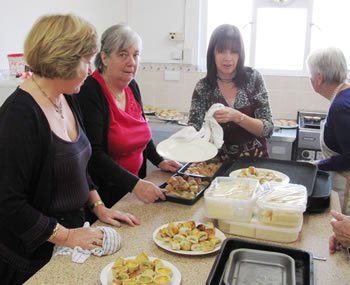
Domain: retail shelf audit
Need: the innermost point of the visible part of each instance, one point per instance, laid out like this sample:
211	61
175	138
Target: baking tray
186	201
320	198
251	266
304	266
220	172
303	173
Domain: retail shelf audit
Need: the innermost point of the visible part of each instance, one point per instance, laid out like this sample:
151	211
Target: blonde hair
56	44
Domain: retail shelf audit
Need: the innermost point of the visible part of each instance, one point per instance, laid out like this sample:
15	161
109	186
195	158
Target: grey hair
330	63
115	39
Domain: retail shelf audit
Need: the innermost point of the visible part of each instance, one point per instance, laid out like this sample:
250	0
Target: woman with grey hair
120	136
328	72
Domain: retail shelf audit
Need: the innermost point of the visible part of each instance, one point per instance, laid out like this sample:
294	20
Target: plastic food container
251	266
16	63
282	204
231	198
255	229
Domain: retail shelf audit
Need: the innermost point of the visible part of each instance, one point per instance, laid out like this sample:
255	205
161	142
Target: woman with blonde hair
44	152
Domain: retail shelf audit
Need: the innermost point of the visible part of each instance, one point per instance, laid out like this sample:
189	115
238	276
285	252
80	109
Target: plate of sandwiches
140	269
189	238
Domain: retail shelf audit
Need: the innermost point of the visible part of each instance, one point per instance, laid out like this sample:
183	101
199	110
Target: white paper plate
106	273
184	151
158	242
236	174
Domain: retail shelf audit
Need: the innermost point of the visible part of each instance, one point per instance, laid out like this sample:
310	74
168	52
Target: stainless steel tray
250	266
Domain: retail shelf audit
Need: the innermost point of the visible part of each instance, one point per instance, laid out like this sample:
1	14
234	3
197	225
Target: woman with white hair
328	72
119	133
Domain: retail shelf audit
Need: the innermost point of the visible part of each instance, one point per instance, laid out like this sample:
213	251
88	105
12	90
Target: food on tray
170	114
263	175
140	270
189	237
185	187
285	123
149	109
203	168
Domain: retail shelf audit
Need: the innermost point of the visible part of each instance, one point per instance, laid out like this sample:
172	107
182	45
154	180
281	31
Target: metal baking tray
181	200
251	266
303	173
220	172
320	198
304	265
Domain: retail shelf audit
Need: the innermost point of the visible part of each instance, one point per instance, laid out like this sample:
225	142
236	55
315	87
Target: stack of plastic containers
272	212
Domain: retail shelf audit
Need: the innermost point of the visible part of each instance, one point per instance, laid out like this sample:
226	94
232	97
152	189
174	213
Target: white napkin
211	131
111	243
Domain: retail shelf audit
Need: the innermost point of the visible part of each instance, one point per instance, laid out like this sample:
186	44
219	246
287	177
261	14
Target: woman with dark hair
246	118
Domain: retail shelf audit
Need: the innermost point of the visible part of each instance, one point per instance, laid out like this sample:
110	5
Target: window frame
256	4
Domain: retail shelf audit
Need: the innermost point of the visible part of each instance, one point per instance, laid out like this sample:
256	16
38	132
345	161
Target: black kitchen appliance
308	135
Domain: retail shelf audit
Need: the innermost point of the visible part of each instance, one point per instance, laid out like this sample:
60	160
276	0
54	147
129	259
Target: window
279	34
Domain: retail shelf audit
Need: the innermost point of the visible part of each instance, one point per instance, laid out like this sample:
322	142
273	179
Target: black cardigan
96	115
26	182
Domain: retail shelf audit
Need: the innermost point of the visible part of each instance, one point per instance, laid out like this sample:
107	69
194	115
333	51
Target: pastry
164	271
132	265
185	245
161	280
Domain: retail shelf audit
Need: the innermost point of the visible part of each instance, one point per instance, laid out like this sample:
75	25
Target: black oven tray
320	198
186	201
303	173
220	172
304	265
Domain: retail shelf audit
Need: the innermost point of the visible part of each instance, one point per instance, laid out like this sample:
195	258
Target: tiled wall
288	94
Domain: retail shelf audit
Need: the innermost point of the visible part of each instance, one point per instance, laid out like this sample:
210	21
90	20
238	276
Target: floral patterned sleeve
199	105
260	99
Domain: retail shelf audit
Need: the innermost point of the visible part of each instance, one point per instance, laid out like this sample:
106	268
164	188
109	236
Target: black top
70	163
26	181
96	115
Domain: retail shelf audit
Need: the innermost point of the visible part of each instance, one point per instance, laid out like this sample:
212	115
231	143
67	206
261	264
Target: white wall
152	19
17	17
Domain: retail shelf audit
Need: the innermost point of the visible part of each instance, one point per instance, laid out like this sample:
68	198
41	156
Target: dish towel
211	130
111	243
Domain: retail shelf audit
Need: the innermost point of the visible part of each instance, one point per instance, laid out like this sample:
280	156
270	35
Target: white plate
285	178
149	112
184	151
106	273
158	242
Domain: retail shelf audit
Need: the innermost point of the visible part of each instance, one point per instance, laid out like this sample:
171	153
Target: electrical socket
176	36
171	36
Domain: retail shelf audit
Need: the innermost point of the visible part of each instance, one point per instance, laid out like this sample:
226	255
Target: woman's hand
169	165
86	238
227	115
341	230
148	192
334	244
110	216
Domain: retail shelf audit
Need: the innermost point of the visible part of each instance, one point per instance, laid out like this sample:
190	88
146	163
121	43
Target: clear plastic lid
283	196
233	188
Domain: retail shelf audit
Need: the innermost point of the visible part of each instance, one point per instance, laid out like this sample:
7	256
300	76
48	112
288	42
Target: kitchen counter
194	269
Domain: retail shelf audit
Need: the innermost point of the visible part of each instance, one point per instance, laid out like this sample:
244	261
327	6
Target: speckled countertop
194	269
